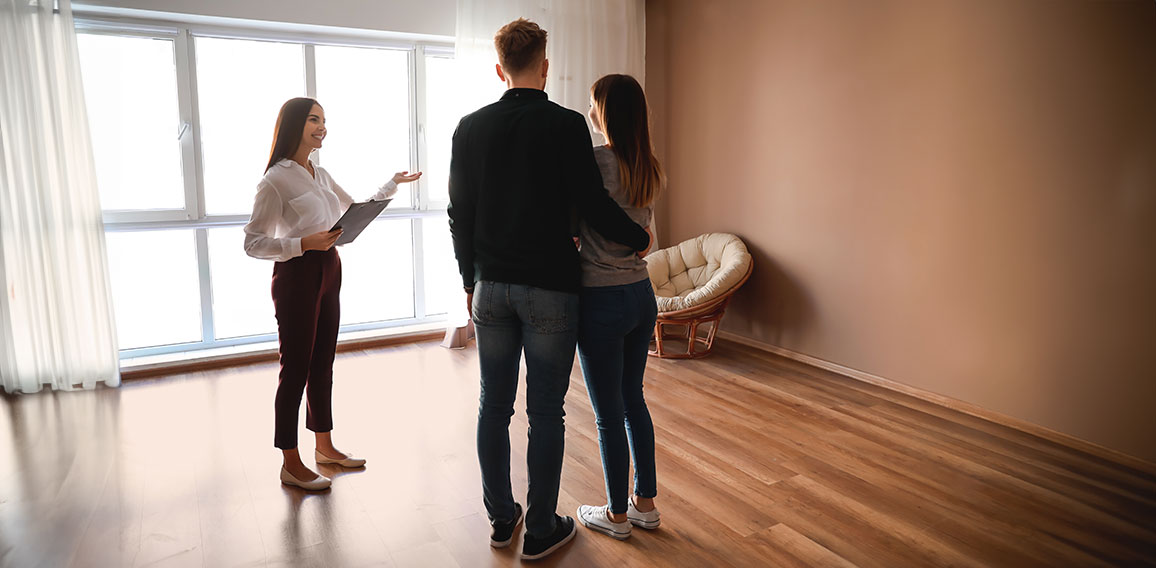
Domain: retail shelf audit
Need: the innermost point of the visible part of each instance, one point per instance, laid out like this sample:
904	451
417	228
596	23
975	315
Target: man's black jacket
521	168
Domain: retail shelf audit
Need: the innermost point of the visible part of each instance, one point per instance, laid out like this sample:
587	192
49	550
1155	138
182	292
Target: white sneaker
648	520
598	518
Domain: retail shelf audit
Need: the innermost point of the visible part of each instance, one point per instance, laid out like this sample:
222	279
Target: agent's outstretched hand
405	177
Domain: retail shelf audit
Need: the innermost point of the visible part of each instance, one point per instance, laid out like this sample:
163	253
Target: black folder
357	218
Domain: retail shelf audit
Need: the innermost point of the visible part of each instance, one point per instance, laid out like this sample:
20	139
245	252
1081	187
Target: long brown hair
624	118
289	129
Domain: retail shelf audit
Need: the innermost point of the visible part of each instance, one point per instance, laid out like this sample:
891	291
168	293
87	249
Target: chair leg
658	338
710	335
691	338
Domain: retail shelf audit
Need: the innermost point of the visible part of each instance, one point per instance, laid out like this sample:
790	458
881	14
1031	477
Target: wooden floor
762	461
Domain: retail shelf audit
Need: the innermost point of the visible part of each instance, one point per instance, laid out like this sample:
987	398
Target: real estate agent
297	202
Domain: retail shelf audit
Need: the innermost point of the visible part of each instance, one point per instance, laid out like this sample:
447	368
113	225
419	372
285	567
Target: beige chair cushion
697	271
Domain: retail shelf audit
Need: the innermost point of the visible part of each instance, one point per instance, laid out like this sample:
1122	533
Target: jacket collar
524	94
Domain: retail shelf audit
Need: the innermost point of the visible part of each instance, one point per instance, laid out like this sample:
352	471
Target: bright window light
365	93
242	300
443	284
241	85
130	89
443	111
377	273
154	287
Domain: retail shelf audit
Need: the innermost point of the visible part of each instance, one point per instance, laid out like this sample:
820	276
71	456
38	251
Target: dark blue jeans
510	319
613	336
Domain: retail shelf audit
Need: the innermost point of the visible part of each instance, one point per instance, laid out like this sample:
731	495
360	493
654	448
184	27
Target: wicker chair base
693	340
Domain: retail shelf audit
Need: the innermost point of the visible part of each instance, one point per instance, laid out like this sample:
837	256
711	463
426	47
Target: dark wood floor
762	461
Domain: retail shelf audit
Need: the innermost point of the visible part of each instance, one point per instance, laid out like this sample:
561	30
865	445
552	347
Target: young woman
297	202
618	312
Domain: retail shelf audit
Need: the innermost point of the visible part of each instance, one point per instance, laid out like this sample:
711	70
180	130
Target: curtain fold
56	317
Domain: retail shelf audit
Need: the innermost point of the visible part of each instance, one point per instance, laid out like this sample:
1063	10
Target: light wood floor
762	461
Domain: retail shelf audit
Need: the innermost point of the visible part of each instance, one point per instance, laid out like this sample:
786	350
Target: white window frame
193	216
422	52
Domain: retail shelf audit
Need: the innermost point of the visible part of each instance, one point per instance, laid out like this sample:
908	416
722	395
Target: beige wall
955	195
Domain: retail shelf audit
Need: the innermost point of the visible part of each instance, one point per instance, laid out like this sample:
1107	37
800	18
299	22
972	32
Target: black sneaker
502	533
534	548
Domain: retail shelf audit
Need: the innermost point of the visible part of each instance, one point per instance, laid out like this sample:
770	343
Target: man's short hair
520	44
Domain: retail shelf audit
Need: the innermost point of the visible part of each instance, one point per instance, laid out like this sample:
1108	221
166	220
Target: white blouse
291	204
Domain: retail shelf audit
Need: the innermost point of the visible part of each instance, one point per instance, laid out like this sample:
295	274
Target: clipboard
357	218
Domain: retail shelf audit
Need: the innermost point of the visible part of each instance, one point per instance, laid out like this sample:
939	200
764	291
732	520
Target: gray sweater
605	262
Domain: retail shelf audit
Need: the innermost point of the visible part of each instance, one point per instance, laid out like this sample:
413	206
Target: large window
182	120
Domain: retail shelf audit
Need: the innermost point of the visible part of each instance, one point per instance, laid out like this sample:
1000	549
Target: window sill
200	360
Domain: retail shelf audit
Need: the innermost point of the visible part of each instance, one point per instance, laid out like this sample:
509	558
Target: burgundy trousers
306	299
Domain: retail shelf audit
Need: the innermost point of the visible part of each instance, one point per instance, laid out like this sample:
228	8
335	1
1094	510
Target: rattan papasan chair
693	282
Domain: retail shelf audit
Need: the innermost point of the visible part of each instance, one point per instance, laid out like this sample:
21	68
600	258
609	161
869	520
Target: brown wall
956	195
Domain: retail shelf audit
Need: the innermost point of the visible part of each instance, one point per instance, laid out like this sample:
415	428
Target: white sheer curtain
56	320
587	39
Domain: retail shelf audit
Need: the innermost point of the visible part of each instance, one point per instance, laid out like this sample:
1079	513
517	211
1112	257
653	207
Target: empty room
574	283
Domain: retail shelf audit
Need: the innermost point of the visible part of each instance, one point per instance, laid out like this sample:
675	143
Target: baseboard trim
267	355
951	403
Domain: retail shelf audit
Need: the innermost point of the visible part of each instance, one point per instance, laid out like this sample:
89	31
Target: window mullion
208	331
418	122
193	175
310	70
417	159
186	127
417	227
310	58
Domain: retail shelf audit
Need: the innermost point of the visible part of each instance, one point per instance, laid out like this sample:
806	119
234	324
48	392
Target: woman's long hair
625	120
290	127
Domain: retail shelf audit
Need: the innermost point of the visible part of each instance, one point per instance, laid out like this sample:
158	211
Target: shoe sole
342	464
304	488
321	458
505	543
548	551
648	525
604	530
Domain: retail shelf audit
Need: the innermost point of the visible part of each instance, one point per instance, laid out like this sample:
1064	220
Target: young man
522	169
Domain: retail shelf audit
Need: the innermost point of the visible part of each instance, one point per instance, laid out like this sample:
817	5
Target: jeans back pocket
551	311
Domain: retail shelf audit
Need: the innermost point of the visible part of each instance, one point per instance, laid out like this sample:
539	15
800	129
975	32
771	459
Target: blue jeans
613	337
510	319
